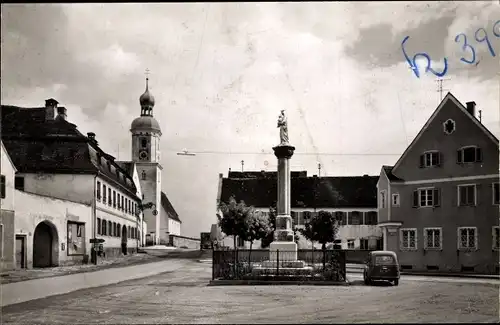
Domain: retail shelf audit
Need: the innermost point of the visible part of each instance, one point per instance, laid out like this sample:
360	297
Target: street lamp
185	153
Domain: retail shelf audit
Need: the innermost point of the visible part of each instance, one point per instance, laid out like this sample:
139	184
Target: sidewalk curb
18	292
451	275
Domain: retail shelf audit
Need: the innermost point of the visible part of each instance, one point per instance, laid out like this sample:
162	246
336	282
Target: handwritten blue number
485	38
414	66
464	47
495	29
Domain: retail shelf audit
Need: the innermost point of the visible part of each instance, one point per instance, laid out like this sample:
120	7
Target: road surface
182	296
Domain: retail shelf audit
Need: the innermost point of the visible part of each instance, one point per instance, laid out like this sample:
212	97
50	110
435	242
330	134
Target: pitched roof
128	166
390	175
37	144
448	97
331	192
264	174
168	207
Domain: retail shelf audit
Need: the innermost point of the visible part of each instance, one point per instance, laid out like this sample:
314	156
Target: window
371	218
2	186
430	159
124	201
427	197
496	193
19	183
350	244
98	190
1	241
118	227
114	199
104	193
103	228
114	229
466	195
449	126
496	238
384	260
408	239
119	201
110	228
339	216
144	143
98	226
241	242
294	217
382	199
470	154
109	196
363	243
355	218
76	238
467	238
143	174
395	200
433	238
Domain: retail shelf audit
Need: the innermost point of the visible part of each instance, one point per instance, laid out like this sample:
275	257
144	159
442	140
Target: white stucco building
353	199
59	184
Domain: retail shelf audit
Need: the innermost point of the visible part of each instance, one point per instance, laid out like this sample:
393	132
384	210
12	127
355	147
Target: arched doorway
45	245
124	240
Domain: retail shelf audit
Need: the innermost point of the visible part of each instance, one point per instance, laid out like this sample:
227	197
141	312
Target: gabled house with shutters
438	206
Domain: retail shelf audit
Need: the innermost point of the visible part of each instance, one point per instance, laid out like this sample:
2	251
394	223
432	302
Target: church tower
146	134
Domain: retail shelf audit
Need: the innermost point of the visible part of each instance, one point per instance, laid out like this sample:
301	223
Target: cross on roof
147	73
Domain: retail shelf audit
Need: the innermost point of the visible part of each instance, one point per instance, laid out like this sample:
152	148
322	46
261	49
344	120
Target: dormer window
470	154
144	143
430	159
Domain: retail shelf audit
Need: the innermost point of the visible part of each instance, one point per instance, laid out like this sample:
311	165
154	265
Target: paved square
183	297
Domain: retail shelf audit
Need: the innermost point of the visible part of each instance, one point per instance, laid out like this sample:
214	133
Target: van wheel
396	282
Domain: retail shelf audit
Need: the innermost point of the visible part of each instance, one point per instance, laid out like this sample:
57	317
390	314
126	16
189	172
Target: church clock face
143	155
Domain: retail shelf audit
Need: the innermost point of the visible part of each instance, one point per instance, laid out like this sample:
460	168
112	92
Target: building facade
438	205
67	190
352	199
7	211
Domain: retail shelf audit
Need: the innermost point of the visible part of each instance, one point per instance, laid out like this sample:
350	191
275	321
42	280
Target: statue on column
283	125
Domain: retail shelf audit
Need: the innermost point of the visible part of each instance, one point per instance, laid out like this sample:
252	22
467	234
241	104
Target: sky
221	73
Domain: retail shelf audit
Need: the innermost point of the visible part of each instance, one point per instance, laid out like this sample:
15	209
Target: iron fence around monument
255	264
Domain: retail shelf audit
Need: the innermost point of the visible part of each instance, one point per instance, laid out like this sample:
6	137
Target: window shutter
422	161
415	199
460	157
425	238
479	155
2	186
437	197
476	238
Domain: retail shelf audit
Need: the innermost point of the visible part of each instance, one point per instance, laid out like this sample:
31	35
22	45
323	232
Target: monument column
283	234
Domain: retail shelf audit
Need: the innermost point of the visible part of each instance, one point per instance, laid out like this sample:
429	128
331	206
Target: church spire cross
147	73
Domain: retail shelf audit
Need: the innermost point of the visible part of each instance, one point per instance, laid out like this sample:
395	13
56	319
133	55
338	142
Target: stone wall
184	242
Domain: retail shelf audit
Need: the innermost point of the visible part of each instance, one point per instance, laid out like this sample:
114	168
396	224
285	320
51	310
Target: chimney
61	113
91	136
471	108
50	109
